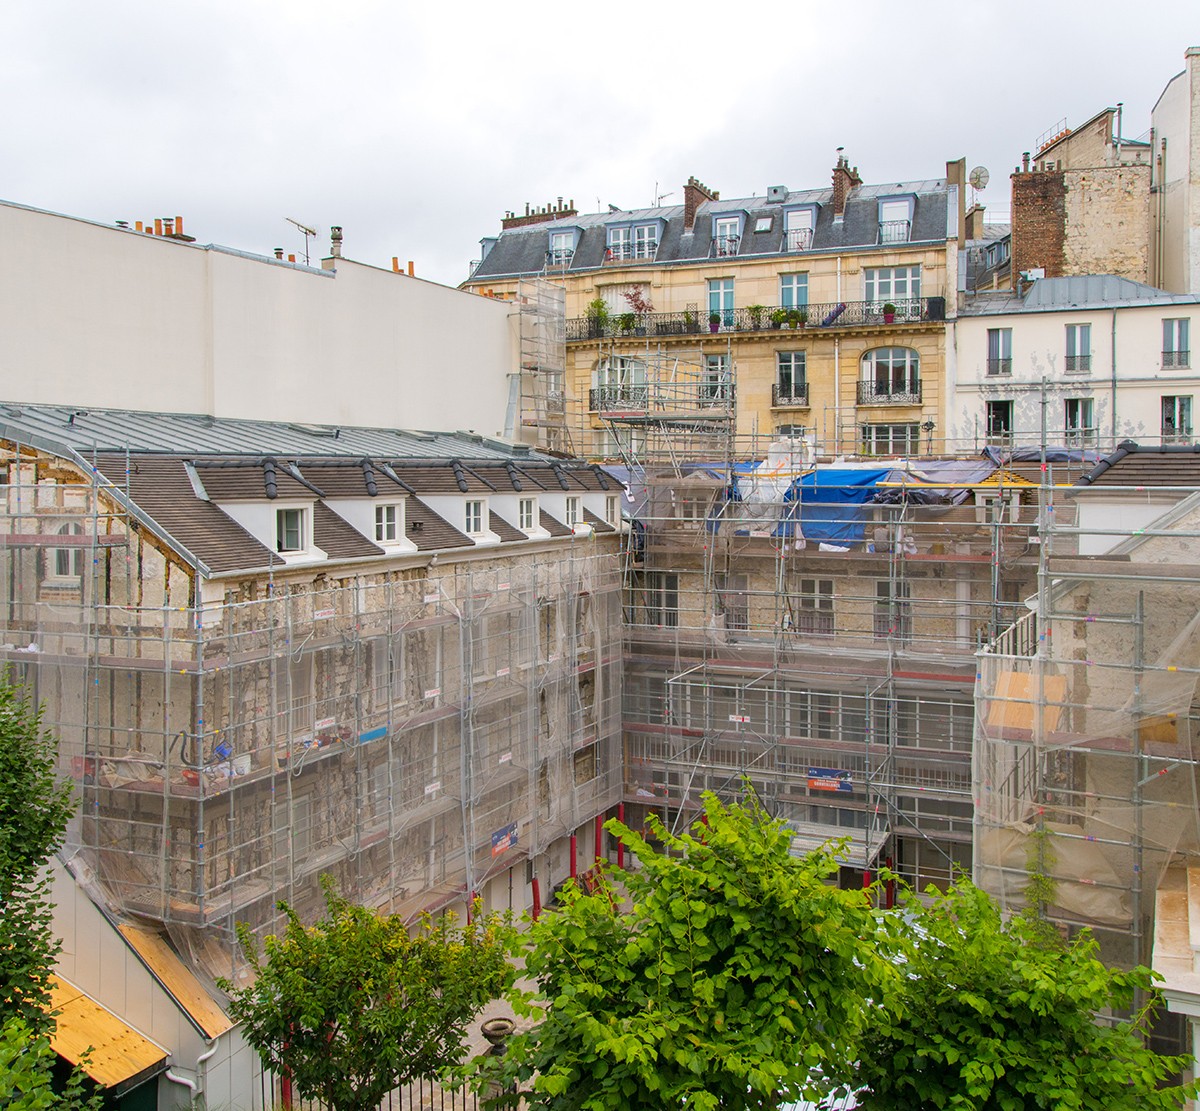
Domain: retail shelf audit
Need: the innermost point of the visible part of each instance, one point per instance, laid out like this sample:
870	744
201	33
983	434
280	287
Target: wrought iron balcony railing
1078	364
794	395
631	252
890	393
1172	435
998	368
701	394
725	245
797	239
894	231
1176	359
844	314
601	398
560	259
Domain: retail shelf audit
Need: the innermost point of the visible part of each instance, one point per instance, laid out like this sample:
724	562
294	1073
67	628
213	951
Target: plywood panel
174	975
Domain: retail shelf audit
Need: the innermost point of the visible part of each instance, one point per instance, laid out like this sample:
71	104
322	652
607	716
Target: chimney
335	241
552	211
695	193
844	179
279	253
975	222
411	270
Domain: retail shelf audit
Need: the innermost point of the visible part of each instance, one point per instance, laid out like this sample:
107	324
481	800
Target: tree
1002	1015
734	977
354	1006
34	810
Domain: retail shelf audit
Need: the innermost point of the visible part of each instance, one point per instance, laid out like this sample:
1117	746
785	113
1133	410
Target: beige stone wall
1107	222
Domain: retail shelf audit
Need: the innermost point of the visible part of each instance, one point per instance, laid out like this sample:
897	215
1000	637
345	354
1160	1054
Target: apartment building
829	303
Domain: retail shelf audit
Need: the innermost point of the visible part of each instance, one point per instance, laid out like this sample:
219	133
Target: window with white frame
1176	419
791	385
999	352
1175	351
526	514
891	374
720	300
574	516
791	431
891	284
620	243
1079	348
621	381
660	598
1078	427
291	530
895	221
562	247
645	241
389	523
726	235
812	609
717	386
473	517
999	421
891	439
793	291
612	508
65	565
797	229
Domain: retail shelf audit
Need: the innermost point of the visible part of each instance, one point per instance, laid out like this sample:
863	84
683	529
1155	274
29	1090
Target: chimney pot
291	258
395	264
335	241
157	226
178	225
137	226
411	271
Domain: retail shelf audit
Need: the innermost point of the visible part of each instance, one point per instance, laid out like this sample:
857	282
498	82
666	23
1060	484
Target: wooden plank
180	983
118	1052
62	540
1013	703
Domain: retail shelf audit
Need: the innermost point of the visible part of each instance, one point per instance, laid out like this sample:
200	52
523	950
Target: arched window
888	372
619	382
66	563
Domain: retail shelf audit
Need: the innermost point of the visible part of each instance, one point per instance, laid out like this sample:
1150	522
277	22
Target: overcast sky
416	126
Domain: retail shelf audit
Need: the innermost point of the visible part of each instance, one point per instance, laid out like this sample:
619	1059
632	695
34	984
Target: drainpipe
837	377
196	1087
1114	379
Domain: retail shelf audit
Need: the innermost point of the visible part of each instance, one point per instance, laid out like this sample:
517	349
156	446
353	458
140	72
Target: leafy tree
724	973
354	1006
1002	1015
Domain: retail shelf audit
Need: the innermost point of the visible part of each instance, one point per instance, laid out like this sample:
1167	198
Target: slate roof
522	250
1138	465
1085	291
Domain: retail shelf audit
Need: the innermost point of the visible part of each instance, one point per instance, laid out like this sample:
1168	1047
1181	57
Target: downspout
1114	378
837	376
196	1087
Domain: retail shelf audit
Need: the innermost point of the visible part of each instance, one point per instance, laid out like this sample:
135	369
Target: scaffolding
541	322
1087	722
425	735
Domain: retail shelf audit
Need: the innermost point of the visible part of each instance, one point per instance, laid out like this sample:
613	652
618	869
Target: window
895	221
660	598
891	439
619	243
791	431
893	284
734	597
999	355
718	384
999	421
473	518
1175	343
612	509
890	375
726	235
387	523
720	299
1077	421
573	517
562	247
762	224
65	565
813	609
893	611
1177	420
793	291
691	510
1079	348
289	530
798	229
526	514
645	241
619	382
791	386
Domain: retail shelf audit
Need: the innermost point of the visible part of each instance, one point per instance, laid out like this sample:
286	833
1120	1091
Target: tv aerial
307	233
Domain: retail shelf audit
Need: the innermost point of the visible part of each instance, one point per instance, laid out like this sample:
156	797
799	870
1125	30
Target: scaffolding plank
179	982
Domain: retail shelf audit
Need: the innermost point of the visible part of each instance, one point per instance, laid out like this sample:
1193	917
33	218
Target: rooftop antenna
307	233
978	180
660	197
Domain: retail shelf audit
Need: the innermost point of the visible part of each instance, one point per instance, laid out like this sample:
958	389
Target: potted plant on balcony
626	322
714	321
597	317
889	313
690	323
779	317
642	308
755	312
797	318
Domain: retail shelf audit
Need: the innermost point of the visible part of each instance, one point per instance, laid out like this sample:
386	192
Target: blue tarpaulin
831	504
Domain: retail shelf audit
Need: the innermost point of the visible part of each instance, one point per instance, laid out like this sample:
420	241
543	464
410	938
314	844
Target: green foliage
26	1063
597	310
736	973
354	1006
627	321
1001	1015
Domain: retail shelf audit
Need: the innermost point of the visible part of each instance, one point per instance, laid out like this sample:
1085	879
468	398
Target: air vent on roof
777	194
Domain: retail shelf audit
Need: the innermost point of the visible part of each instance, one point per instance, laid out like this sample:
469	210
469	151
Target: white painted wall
1039	351
95	315
1176	119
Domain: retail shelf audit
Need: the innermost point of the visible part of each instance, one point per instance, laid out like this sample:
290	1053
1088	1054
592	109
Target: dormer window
562	248
798	226
636	241
645	241
389	523
726	235
291	530
895	220
620	243
526	514
473	518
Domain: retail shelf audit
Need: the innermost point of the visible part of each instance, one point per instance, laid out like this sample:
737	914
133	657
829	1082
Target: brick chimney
844	179
535	215
695	193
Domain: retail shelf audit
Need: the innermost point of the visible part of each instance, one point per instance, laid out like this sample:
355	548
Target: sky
415	127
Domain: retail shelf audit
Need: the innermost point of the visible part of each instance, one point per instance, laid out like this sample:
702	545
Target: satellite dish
978	177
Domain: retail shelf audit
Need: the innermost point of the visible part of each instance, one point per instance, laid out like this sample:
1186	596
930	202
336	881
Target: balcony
894	231
1081	437
999	368
833	316
724	246
798	239
603	398
1078	364
890	393
789	396
620	253
1175	359
559	260
1173	435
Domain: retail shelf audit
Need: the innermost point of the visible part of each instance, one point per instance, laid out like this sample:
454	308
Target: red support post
599	837
537	900
889	888
574	861
620	843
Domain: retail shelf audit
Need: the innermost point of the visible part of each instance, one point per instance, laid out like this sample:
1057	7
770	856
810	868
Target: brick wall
1038	222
